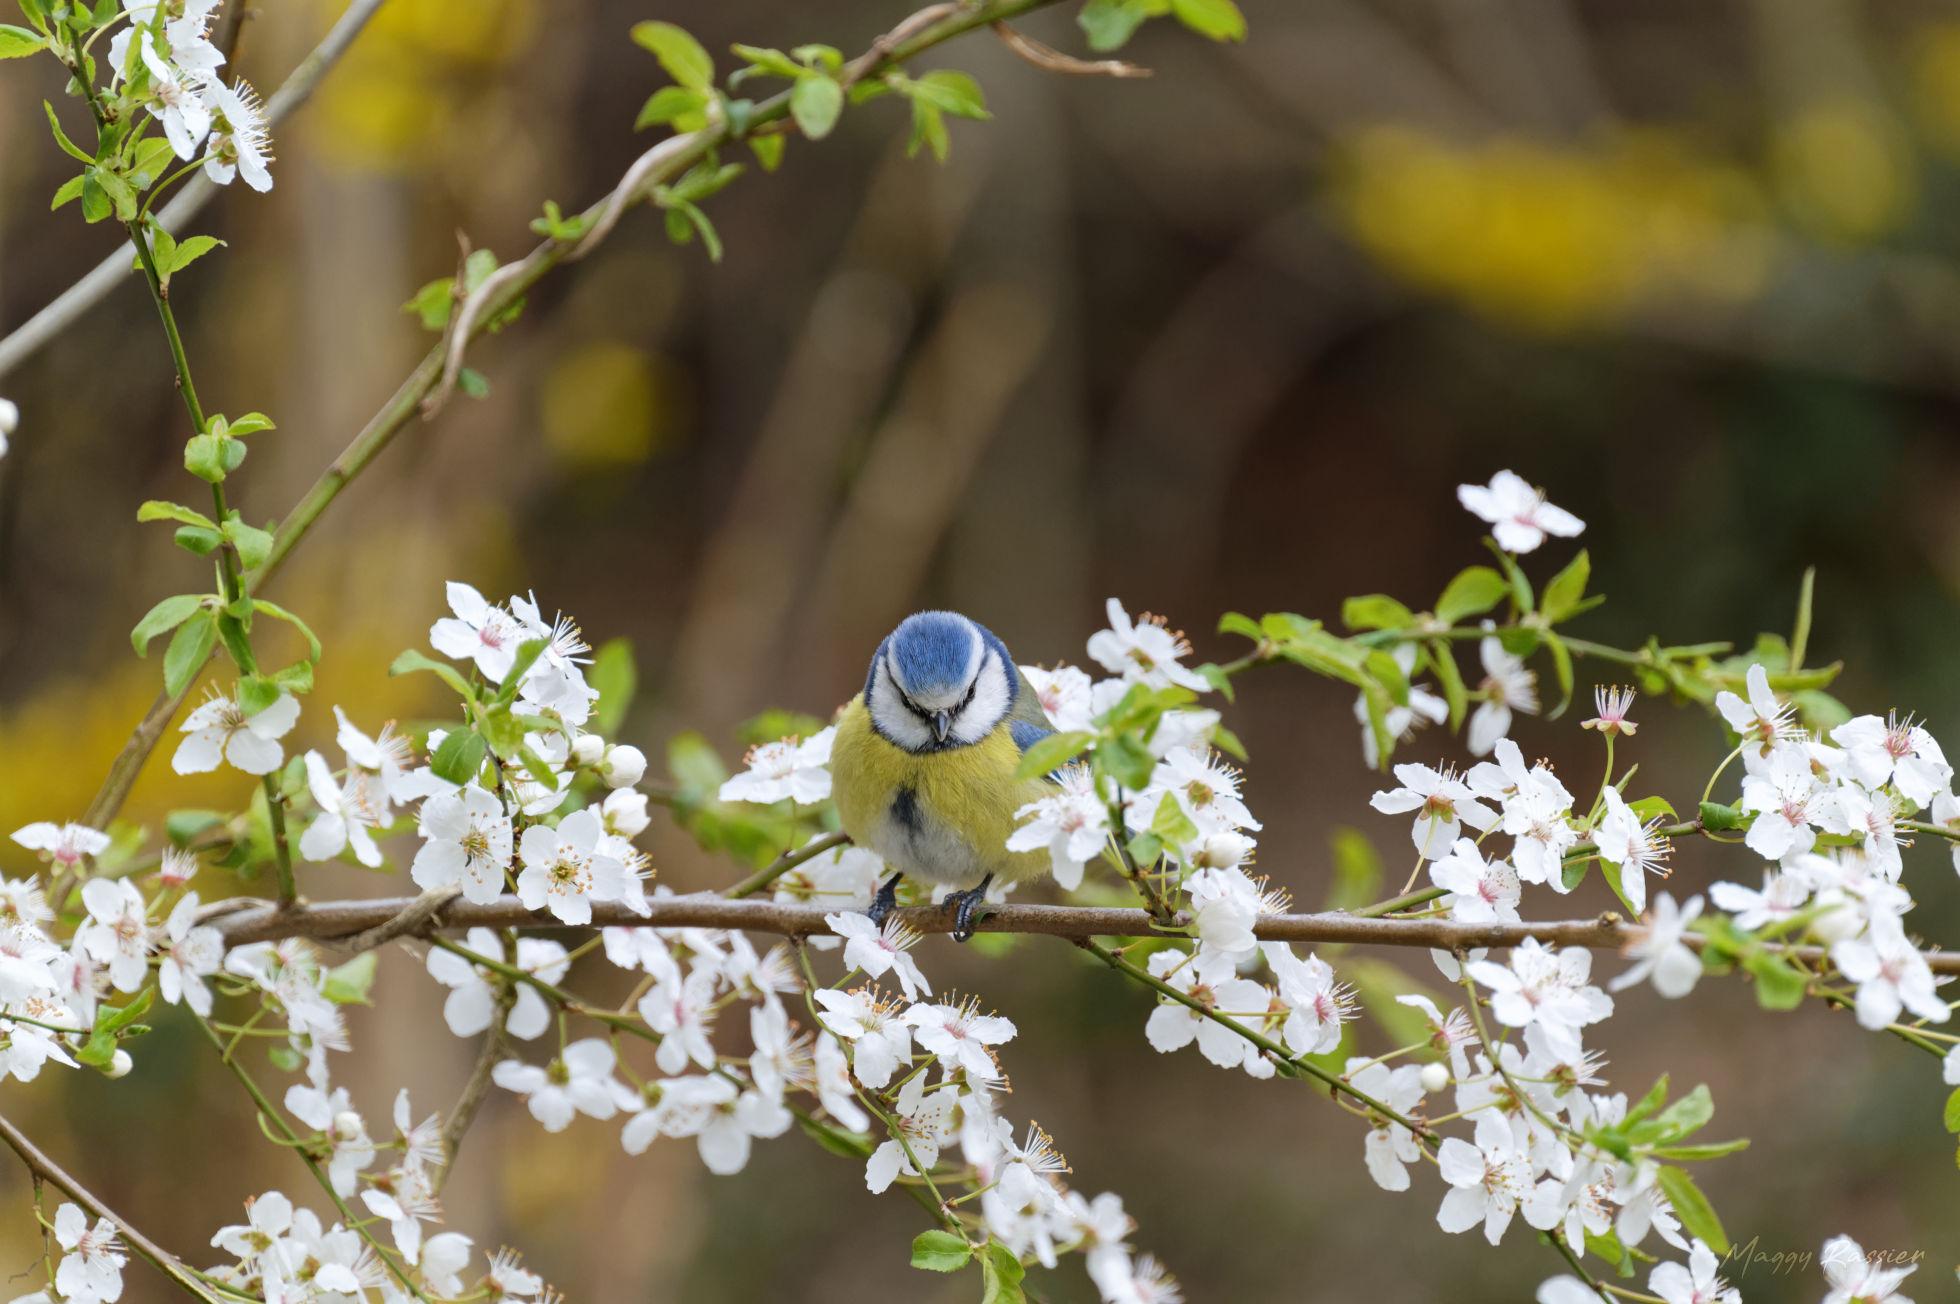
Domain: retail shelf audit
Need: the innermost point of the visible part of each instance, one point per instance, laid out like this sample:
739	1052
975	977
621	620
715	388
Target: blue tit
925	762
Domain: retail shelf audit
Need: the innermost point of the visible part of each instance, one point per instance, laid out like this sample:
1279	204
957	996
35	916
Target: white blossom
1508	685
1857	1279
792	768
191	953
472	1000
220	730
1487	1180
566	870
878	951
1658	951
1072	823
1520	517
1442	803
467	842
1143	651
580	1081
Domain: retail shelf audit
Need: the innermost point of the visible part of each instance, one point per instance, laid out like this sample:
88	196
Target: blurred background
1226	338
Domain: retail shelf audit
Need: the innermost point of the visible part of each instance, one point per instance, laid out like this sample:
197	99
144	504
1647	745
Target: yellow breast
941	816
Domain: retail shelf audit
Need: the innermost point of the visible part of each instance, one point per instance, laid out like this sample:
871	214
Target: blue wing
1026	734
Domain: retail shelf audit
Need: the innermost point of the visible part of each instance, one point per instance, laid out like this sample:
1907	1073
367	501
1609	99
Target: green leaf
1686	1115
1561	672
189	648
158	510
815	102
614	674
1656	1097
768	151
1375	611
296	678
71	189
1127	761
1171	824
1053	752
1233	622
1953	1111
675	104
197	540
1218	19
253	544
1514	576
100	1048
1475	590
18	42
1568	588
120	193
951	91
350	983
278	612
68	146
249	424
929	130
182	826
846	1145
256	693
680	54
1692	1208
940	1251
412	661
1450	678
1707	1150
473	383
1646	808
1780	985
95	200
1714	815
1000	1275
204	457
162	618
764	60
188	251
1109	24
459	756
433	303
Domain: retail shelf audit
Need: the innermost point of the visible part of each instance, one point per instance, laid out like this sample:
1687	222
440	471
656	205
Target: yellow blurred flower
1844	169
1554	237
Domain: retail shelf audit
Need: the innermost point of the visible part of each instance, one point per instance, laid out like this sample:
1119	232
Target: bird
925	761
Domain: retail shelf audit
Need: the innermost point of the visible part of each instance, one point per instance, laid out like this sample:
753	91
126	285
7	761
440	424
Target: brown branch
327	920
477	1087
45	1169
414	919
1049	59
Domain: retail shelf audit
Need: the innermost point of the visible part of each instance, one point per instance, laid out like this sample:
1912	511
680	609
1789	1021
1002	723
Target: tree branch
329	920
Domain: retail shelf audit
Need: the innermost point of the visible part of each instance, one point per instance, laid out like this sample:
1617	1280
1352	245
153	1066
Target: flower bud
625	813
1837	923
347	1125
1435	1077
119	1065
624	766
590	749
1225	850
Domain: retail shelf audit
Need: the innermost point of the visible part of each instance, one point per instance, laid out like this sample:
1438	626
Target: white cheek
989	703
893	720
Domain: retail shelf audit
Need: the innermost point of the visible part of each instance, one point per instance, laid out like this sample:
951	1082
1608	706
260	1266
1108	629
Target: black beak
942	724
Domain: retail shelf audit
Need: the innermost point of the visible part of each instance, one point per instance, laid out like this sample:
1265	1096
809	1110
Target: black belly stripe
905	811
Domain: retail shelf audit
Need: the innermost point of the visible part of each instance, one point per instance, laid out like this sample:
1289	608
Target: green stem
784	863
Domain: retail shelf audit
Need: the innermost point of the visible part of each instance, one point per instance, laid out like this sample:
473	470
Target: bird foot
965	906
885	902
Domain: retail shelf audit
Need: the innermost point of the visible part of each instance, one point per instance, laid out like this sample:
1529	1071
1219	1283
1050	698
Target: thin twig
784	863
27	338
45	1168
1049	59
477	1086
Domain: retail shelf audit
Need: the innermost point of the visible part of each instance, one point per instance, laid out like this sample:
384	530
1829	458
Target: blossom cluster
166	62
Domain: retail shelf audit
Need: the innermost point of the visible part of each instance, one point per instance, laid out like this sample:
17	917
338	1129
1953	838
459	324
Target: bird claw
965	905
885	902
